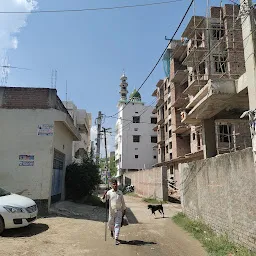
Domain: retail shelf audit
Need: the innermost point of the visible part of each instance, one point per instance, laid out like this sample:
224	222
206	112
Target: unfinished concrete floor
67	236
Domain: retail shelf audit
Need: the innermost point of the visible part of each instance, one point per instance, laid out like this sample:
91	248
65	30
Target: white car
16	211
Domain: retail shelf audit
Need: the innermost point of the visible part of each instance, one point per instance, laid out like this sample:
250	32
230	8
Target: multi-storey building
202	90
83	121
135	139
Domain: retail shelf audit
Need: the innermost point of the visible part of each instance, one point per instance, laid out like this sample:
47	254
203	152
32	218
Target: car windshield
4	192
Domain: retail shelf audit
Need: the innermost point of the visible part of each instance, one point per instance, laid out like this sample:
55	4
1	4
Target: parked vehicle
129	189
16	211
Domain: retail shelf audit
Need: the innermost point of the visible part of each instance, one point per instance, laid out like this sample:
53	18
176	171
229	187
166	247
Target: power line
6	66
160	58
91	9
166	93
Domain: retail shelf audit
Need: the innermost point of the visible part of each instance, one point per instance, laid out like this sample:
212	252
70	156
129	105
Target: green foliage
81	178
214	244
112	165
153	201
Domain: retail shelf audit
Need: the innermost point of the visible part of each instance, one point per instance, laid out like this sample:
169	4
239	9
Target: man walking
117	210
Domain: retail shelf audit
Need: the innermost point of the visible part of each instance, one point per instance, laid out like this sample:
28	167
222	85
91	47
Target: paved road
65	236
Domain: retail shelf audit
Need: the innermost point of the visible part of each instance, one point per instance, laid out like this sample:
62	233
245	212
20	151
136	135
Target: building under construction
199	104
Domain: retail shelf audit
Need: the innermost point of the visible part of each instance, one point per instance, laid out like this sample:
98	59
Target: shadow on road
136	242
173	200
159	218
131	217
87	212
32	230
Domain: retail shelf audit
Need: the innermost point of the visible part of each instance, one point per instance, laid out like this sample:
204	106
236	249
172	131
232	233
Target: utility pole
248	31
98	122
106	178
106	150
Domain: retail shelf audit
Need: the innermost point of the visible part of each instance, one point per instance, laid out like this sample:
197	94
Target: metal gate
57	176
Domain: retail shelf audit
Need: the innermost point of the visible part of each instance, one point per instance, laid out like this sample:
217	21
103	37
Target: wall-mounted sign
26	160
45	130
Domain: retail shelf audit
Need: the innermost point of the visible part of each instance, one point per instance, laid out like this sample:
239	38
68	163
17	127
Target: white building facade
135	140
36	140
83	121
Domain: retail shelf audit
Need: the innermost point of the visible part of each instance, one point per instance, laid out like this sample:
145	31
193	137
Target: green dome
135	95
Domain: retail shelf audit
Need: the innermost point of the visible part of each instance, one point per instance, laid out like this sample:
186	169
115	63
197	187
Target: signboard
26	160
45	130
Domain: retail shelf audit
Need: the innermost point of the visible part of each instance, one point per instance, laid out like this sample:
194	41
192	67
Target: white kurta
116	209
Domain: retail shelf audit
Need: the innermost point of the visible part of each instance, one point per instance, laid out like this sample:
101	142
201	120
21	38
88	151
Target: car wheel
1	225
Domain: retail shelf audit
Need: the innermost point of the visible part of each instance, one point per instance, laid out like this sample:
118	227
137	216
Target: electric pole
106	149
248	32
106	177
98	122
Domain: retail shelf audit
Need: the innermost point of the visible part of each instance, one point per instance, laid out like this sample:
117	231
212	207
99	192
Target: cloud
14	43
11	24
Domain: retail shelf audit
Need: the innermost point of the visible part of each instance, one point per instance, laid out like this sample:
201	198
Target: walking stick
106	222
106	208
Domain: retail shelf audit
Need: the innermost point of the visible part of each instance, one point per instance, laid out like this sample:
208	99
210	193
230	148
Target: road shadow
131	217
173	200
136	242
86	212
29	231
159	218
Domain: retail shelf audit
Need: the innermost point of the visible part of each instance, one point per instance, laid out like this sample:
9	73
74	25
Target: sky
89	50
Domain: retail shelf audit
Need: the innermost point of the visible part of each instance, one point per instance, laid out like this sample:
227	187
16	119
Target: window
220	64
136	138
194	136
217	32
136	129
166	128
170	122
165	105
166	149
153	139
169	100
225	133
171	170
136	148
154	157
136	156
153	120
159	151
170	145
136	119
165	86
136	112
170	133
169	111
169	89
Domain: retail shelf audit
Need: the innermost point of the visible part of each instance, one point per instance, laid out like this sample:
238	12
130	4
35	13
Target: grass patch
153	201
132	194
214	244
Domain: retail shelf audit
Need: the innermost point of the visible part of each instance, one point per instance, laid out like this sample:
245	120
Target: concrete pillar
164	183
209	138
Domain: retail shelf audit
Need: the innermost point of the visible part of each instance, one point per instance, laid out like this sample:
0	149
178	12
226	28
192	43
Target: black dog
155	208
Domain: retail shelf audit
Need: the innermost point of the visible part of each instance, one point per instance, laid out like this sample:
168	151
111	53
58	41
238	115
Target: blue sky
90	49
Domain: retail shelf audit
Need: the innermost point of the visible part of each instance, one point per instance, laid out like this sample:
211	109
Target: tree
112	165
81	178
